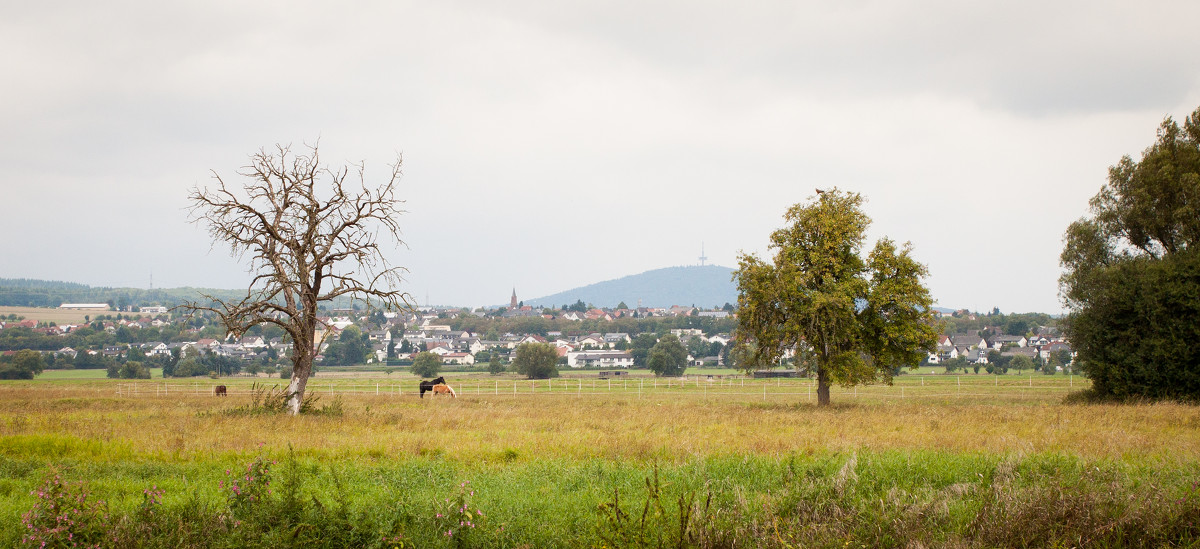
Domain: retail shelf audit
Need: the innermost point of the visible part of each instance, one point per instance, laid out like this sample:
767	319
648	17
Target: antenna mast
702	256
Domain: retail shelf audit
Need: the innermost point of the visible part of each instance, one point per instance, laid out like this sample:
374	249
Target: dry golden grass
57	316
659	426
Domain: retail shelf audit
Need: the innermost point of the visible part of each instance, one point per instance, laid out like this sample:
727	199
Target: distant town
585	337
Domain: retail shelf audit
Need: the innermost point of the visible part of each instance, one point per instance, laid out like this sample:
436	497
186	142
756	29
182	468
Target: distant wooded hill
24	292
703	286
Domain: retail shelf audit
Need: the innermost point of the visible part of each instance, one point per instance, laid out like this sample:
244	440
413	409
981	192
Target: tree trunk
302	360
822	387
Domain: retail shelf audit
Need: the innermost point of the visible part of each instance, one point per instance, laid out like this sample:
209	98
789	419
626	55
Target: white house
458	358
602	359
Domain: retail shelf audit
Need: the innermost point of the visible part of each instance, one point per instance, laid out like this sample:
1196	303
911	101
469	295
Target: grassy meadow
963	461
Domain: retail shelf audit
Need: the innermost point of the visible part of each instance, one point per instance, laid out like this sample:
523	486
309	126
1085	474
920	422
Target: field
57	316
967	461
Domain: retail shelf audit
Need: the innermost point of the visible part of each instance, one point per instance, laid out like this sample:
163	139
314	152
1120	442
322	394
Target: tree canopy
536	360
1132	273
860	317
668	357
23	364
426	364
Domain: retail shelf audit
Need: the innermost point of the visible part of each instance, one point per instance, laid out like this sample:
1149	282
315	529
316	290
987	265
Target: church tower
513	303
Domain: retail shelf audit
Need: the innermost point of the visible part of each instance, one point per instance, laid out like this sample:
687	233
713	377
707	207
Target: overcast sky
549	145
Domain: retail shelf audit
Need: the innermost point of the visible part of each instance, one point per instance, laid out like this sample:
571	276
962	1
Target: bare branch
308	238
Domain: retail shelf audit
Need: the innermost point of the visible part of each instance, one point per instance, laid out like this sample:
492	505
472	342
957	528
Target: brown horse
443	389
220	390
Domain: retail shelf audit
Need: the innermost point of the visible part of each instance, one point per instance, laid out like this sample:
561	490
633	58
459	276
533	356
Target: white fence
909	387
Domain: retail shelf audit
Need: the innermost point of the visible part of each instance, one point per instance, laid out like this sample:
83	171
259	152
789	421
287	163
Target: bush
426	364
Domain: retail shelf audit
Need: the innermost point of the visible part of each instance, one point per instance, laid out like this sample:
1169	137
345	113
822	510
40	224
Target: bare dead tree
311	233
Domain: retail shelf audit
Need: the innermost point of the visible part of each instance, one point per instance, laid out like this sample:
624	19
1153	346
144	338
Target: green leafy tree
640	348
131	369
426	364
495	367
668	357
863	317
352	347
1132	273
955	364
697	347
1020	363
1051	366
999	360
536	360
24	364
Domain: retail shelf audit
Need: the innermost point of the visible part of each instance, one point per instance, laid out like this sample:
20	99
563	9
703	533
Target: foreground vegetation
618	469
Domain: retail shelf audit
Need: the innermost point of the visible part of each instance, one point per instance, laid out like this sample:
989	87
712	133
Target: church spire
513	303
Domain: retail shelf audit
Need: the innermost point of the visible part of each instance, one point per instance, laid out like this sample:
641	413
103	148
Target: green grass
1001	462
827	499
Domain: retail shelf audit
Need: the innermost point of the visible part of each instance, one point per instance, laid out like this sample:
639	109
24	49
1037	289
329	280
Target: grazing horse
443	389
429	385
220	390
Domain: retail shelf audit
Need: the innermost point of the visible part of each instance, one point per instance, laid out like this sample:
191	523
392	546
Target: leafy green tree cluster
1020	363
1017	324
862	317
24	364
193	365
956	364
668	357
536	360
426	364
493	327
131	369
697	347
352	347
495	367
88	361
1132	273
188	367
639	349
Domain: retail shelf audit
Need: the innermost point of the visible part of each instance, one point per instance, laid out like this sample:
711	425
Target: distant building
85	306
512	304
